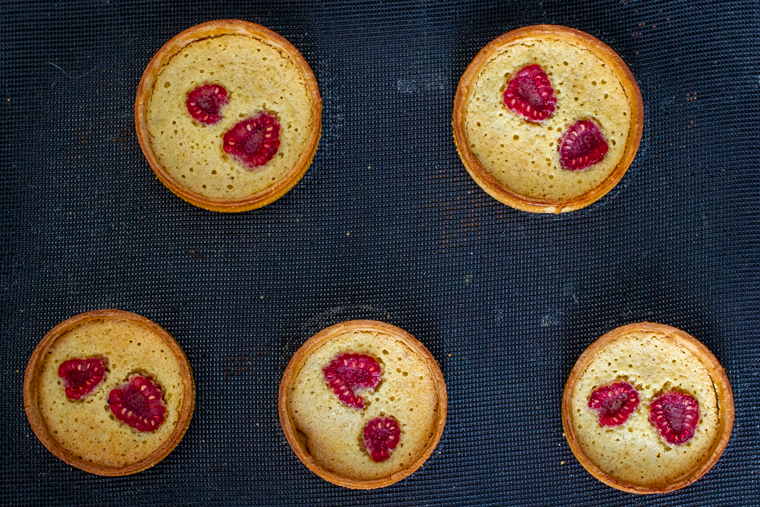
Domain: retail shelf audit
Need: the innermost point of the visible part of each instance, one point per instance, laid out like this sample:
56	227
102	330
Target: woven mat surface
385	225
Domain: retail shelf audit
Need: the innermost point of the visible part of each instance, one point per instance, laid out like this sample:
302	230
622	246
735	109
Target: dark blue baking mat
386	225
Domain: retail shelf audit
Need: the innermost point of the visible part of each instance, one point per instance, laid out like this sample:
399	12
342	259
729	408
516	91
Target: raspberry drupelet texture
675	415
349	373
254	141
581	146
205	103
139	404
615	403
381	436
81	376
530	94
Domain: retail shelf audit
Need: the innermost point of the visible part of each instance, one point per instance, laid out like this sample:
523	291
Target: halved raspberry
530	94
581	146
254	141
138	403
348	373
205	102
675	415
615	403
381	436
81	376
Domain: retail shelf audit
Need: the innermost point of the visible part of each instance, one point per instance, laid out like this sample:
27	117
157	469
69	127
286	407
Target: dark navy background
386	225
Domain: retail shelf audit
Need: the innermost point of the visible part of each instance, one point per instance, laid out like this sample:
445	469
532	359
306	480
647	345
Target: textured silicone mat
386	225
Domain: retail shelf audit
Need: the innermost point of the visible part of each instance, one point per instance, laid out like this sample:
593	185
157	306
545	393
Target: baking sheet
386	225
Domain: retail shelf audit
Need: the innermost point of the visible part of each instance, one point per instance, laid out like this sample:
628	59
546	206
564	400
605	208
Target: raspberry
348	373
530	94
139	404
381	436
81	376
615	403
675	415
254	141
581	146
205	102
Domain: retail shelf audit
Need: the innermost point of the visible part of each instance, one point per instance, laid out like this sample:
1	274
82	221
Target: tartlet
575	84
329	422
200	93
647	409
78	423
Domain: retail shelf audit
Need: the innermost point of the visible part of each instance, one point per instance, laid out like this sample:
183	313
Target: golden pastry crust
262	72
84	433
326	434
633	457
516	161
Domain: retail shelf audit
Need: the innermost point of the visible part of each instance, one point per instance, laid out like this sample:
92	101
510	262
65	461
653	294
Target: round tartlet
635	456
326	434
84	433
261	73
516	161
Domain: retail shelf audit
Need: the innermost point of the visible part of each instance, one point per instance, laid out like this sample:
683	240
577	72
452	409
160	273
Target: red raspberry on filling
205	102
254	141
530	94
